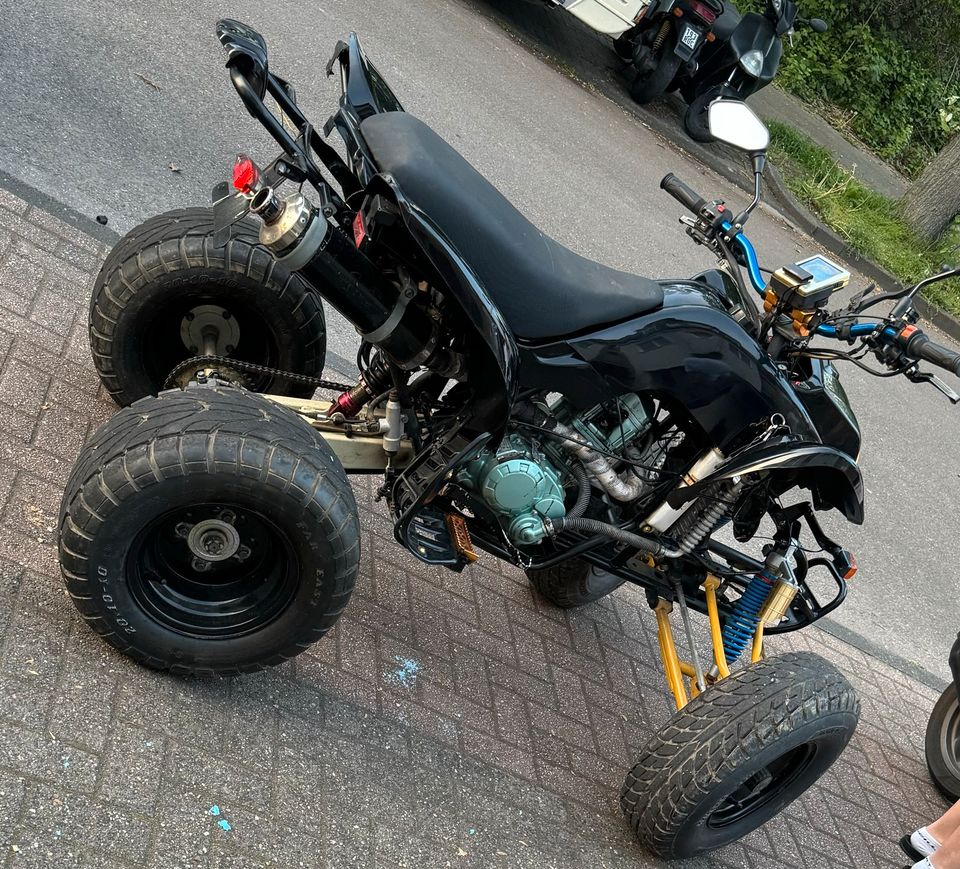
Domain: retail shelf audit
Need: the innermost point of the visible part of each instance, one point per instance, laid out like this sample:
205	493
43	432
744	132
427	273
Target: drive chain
253	368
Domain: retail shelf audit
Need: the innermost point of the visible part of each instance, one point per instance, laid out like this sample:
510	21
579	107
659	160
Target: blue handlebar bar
858	330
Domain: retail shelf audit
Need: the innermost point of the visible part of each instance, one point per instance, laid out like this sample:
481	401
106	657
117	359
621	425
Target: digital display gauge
826	276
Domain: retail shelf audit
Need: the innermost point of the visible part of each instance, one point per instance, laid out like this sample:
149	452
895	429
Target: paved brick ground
447	721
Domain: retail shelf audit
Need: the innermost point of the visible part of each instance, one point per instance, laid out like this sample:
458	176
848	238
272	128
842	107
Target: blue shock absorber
742	624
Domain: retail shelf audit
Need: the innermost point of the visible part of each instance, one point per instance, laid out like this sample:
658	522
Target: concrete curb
822	234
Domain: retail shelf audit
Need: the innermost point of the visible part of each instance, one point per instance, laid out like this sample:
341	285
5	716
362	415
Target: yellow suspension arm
710	585
672	667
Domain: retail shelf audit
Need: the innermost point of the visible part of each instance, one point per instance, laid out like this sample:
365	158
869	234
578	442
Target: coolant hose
582	477
594	526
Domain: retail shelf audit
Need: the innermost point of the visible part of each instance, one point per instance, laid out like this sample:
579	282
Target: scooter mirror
735	123
818	25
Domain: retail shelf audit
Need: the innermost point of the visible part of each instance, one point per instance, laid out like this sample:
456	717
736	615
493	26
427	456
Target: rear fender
832	476
493	352
364	93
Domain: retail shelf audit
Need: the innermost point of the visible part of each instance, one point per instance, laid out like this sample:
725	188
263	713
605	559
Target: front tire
739	753
573	583
696	121
165	284
942	745
209	531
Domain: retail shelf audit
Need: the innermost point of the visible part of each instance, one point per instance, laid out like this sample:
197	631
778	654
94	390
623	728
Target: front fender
832	476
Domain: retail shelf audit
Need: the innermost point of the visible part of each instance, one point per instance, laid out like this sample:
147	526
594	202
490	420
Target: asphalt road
125	110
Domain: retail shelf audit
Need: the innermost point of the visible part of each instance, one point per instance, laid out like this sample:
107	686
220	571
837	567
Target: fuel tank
691	353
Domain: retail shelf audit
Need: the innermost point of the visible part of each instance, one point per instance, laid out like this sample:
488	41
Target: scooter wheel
209	531
738	754
696	121
942	746
166	291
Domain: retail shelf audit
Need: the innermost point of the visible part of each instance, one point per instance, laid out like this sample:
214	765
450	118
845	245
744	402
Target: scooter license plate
690	36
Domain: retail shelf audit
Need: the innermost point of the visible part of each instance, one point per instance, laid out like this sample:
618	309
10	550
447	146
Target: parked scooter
703	48
743	57
660	39
943	734
665	44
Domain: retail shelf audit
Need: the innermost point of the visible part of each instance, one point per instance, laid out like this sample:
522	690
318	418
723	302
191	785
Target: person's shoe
907	847
919	844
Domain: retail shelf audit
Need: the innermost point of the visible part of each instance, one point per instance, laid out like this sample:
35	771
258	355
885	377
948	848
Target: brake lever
915	375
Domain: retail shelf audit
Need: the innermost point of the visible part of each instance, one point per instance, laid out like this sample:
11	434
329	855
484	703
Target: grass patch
870	223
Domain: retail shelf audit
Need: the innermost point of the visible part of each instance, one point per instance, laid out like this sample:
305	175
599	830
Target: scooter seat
542	289
726	22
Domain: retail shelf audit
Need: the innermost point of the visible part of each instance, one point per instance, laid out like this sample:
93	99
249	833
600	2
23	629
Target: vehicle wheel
697	121
647	88
624	43
573	583
943	744
739	753
165	288
209	531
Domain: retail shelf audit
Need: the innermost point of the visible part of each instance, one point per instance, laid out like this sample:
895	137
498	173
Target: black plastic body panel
690	353
832	475
824	397
719	59
364	93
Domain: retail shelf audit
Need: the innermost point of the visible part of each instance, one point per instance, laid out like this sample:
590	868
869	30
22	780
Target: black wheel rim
950	739
766	786
213	571
163	348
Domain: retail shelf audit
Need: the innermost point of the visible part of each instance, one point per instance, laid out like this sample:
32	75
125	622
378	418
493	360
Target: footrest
430	539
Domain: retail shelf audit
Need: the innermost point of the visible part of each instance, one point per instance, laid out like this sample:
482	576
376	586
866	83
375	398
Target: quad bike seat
542	289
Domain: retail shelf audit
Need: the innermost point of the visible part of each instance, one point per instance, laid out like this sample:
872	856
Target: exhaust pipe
301	238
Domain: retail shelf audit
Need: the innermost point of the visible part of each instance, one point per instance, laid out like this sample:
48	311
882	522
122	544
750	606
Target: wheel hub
210	330
213	540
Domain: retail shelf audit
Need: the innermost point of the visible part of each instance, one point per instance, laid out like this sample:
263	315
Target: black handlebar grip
683	194
919	346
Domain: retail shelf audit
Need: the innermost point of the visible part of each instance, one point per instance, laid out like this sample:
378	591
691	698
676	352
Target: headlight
777	6
752	62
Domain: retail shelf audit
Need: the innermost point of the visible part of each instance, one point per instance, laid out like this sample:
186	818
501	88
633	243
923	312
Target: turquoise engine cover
522	487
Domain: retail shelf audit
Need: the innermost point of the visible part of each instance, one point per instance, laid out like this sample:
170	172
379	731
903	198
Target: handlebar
916	345
686	196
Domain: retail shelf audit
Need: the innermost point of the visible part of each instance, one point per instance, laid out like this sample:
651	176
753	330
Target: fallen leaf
174	168
147	81
461	852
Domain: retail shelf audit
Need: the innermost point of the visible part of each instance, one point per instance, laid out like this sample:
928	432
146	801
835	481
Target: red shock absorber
351	402
372	382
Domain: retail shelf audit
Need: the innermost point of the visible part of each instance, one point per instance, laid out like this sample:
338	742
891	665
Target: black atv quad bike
591	426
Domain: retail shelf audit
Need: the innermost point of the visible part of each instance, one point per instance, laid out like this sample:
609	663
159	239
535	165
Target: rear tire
942	746
760	737
209	531
573	583
647	88
168	270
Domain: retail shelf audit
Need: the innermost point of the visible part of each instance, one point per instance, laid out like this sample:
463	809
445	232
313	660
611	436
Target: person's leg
946	825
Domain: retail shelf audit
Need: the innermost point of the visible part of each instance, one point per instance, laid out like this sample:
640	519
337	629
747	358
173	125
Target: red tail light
246	175
702	10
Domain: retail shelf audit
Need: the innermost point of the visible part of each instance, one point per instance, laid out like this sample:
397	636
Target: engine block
520	484
524	484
